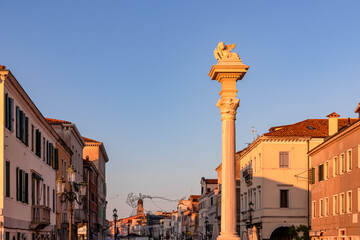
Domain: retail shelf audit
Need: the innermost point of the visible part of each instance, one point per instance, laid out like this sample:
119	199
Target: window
22	123
9	112
335	167
22	186
44	149
349	201
313	209
260	161
342	163
44	194
38	143
335	205
327	206
321	207
211	201
349	160
254	200
342	203
259	199
7	191
284	198
53	200
321	172
48	197
312	176
326	170
255	164
32	137
284	159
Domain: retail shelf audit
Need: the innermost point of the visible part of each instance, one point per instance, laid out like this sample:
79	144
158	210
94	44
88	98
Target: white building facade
28	165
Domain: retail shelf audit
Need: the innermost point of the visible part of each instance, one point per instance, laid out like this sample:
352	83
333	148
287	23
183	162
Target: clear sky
134	75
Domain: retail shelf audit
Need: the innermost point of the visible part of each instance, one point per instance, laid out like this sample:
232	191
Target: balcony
79	216
248	176
40	217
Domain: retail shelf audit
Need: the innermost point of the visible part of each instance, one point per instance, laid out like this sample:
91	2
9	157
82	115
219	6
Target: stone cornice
10	78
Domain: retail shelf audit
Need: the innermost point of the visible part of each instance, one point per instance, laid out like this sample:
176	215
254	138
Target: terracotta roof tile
90	140
308	128
211	181
54	121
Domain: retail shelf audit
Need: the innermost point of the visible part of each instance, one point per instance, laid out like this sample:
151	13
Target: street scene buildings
39	153
299	179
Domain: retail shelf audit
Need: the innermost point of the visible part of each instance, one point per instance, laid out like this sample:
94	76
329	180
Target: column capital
228	107
228	70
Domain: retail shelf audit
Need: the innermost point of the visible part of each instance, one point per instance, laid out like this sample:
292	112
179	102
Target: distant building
207	206
96	153
73	139
275	192
335	195
29	160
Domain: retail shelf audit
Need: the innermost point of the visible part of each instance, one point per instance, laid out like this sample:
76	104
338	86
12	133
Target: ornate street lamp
251	213
70	195
115	228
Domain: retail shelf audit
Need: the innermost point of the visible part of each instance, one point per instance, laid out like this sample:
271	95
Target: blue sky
134	75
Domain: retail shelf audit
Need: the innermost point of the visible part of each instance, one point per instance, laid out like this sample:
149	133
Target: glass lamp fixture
60	186
115	212
71	174
83	186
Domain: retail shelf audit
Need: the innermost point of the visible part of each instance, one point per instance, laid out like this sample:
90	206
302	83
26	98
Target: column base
228	236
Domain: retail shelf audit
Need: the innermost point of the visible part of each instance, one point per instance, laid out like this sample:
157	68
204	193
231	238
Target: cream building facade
275	190
28	165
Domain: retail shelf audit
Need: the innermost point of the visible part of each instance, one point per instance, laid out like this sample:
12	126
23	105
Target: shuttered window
284	159
321	172
9	112
56	165
22	126
22	186
38	143
7	191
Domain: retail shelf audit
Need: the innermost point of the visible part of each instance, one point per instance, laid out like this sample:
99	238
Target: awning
37	176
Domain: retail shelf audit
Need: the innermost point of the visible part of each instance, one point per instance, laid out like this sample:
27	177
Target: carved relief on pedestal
228	108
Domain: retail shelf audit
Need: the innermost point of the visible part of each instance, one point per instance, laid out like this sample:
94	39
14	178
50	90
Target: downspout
308	184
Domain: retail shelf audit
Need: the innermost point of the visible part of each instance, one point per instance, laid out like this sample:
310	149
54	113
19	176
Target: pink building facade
335	189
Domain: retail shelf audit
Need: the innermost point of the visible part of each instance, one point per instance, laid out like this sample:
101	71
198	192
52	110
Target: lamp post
70	195
115	228
251	213
128	228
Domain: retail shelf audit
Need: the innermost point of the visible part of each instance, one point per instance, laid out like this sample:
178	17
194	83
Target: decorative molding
228	108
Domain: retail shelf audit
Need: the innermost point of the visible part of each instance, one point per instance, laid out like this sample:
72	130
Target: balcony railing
40	217
248	176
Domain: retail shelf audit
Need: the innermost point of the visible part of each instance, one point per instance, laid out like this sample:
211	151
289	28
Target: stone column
228	71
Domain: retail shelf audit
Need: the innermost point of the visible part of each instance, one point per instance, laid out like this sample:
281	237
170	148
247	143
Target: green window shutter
321	172
313	176
56	159
11	114
22	190
17	122
7	179
26	131
7	123
17	185
47	152
26	188
7	236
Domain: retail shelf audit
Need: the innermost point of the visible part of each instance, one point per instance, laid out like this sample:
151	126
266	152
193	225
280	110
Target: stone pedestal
227	72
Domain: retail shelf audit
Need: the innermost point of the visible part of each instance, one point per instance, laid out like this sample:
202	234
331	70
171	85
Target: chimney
357	110
333	123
